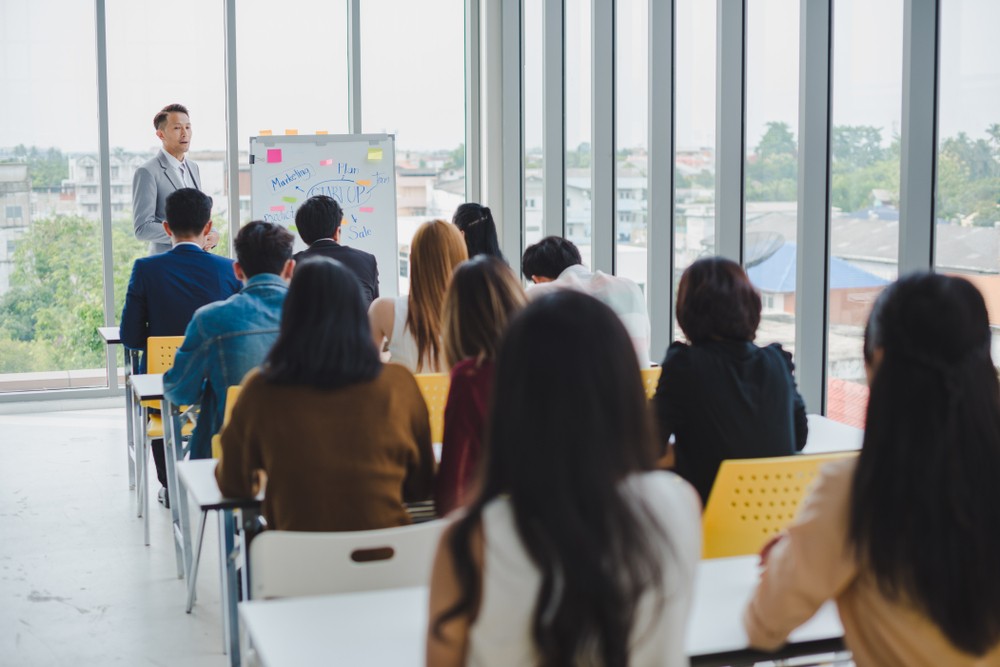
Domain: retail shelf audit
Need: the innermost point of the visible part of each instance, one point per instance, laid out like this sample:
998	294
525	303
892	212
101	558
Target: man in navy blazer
318	222
166	289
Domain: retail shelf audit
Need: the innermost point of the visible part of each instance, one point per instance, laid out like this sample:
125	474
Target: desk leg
178	496
230	585
130	418
193	572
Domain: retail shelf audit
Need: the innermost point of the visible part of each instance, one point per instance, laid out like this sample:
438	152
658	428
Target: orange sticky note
365	183
292	132
265	133
322	132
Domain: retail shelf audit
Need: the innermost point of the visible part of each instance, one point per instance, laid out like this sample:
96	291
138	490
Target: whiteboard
355	169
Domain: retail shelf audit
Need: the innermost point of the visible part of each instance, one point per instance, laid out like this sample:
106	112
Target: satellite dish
760	246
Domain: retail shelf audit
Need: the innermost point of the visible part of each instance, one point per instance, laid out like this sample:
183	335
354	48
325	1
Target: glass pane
632	139
413	86
292	73
579	218
867	109
51	285
534	179
968	184
771	169
694	103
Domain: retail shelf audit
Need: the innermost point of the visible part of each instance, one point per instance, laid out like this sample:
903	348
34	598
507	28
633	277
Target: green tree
47	168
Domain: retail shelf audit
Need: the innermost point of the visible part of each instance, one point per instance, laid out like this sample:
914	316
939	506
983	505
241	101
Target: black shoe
164	497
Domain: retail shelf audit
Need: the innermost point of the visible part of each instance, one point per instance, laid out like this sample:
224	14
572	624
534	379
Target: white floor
77	585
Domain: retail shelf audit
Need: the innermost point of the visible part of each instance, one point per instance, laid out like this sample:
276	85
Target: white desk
389	627
197	478
827	435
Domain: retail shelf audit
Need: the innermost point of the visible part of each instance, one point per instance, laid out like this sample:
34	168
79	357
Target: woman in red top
482	296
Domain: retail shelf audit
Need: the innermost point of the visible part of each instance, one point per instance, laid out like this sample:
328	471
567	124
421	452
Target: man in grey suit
165	173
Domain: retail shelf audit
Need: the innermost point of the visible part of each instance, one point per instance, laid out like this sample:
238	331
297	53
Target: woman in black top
719	395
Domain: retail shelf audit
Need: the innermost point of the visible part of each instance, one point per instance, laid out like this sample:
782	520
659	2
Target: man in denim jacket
226	339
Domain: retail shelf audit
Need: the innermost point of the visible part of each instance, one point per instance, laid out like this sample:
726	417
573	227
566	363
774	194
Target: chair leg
139	439
129	434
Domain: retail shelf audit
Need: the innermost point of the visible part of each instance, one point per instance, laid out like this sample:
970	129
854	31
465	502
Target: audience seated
475	221
719	395
555	263
225	340
906	538
343	440
411	325
574	552
166	289
483	295
318	222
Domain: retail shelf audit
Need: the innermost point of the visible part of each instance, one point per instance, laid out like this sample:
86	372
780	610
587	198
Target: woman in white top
575	551
410	326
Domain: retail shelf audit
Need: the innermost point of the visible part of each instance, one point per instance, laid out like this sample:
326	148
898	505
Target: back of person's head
568	424
717	301
925	505
436	250
476	223
325	340
263	247
160	119
549	257
318	218
188	211
482	296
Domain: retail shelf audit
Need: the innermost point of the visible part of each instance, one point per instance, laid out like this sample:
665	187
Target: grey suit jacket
152	183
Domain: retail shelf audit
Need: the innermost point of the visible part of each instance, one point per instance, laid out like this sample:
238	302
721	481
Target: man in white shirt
555	263
162	175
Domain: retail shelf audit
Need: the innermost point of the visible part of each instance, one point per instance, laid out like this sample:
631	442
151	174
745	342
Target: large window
412	74
864	239
51	285
694	166
534	177
632	139
968	183
579	216
771	169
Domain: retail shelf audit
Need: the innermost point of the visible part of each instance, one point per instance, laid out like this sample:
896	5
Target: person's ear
238	270
166	228
287	270
207	229
336	232
871	367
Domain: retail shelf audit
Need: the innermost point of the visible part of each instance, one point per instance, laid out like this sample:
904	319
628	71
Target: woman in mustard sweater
343	439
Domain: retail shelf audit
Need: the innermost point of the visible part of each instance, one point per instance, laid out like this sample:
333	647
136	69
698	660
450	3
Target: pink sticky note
274	155
277	209
325	163
366	209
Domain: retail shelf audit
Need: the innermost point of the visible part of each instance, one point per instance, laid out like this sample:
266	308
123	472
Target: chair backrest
160	352
232	393
754	499
434	387
291	564
650	378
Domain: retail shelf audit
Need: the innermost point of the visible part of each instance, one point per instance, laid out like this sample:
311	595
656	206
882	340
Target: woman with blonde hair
411	325
482	297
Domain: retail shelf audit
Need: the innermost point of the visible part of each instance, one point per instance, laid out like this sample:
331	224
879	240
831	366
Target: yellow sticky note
265	133
374	154
322	132
293	132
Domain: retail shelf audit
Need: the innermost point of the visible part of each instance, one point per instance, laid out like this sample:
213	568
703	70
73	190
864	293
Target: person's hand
766	551
211	240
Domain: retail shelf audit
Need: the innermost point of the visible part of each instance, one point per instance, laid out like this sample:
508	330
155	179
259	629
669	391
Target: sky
292	60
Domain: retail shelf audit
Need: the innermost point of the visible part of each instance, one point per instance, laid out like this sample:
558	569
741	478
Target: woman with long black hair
344	440
574	552
906	538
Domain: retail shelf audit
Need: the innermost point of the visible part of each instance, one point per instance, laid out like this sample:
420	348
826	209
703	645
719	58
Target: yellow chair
650	378
434	387
754	499
231	395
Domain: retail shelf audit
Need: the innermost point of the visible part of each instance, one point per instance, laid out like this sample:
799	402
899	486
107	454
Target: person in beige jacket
906	538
